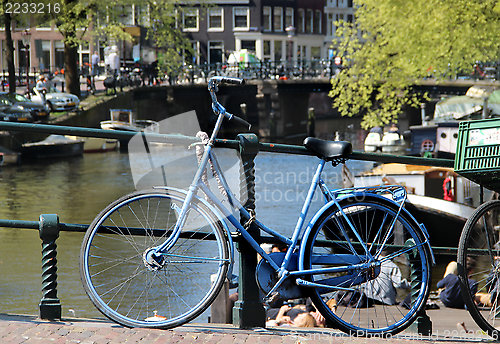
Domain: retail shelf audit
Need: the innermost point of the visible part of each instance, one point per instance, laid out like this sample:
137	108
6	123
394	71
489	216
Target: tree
165	31
395	43
10	48
105	17
7	18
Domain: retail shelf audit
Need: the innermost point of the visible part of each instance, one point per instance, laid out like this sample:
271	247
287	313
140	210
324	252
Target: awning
462	106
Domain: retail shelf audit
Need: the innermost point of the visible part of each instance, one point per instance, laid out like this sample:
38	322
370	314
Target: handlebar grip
241	121
229	80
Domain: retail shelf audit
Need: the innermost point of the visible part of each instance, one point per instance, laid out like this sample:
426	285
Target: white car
56	100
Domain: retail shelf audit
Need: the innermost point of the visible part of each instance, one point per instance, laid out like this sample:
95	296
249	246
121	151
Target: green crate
478	152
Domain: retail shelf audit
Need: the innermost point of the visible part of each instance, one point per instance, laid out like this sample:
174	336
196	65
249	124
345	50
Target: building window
249	45
241	18
215	19
277	51
266	17
288	17
349	3
266	51
301	20
330	25
278	19
59	54
190	19
309	21
315	52
215	51
23	53
349	18
317	21
143	15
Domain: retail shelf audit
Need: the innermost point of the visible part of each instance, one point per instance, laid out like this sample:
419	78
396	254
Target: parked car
14	113
39	112
56	100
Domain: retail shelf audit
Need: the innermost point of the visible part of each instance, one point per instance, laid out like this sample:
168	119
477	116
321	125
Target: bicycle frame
283	271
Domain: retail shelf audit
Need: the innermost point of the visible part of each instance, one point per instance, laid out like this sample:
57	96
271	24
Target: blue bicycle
158	258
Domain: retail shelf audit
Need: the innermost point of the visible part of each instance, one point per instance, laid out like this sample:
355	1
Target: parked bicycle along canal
78	189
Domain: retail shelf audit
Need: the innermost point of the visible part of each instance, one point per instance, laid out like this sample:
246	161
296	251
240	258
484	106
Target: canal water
77	189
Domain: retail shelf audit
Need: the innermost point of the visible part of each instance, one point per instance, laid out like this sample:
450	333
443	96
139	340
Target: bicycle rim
479	260
359	309
120	284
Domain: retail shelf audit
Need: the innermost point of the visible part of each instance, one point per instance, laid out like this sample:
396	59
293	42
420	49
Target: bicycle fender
219	217
424	230
328	205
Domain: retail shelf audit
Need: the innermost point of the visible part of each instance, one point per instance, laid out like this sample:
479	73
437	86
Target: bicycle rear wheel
478	259
364	301
125	288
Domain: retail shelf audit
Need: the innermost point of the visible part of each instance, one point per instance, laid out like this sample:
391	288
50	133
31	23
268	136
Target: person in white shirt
383	288
41	87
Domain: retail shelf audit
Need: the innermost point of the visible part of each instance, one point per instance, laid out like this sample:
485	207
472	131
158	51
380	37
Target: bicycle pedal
272	298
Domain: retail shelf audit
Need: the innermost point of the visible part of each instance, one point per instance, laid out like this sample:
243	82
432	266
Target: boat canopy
460	107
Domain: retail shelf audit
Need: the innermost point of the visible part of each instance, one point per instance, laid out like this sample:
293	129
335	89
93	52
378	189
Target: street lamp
290	31
26	37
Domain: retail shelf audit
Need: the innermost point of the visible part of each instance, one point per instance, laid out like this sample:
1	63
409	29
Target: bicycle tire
120	284
478	251
362	315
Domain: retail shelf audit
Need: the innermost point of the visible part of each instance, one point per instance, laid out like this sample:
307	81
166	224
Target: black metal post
248	311
50	306
422	324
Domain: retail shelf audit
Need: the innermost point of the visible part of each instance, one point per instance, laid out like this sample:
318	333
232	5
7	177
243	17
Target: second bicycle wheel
125	288
479	261
364	300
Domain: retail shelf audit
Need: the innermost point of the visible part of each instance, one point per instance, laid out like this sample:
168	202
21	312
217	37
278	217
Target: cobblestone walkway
29	329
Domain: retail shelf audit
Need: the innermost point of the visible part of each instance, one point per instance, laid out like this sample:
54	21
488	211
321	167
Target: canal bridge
281	109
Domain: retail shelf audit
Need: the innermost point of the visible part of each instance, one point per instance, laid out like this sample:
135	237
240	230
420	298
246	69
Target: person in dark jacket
450	293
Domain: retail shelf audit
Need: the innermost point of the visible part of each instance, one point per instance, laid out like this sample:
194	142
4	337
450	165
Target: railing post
50	306
422	324
248	311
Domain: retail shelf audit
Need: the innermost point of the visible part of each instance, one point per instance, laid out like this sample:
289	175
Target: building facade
275	30
336	10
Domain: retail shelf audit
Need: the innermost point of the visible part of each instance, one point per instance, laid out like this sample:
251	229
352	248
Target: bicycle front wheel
362	301
479	260
127	289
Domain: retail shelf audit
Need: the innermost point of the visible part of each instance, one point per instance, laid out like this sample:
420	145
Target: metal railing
248	146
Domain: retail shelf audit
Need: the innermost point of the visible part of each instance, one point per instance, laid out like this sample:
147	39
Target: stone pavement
29	329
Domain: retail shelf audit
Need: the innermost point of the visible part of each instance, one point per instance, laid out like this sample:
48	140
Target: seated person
450	287
383	288
490	297
296	316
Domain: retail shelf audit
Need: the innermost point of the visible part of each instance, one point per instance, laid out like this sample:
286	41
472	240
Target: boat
434	139
96	144
438	138
54	146
123	119
8	157
443	219
389	142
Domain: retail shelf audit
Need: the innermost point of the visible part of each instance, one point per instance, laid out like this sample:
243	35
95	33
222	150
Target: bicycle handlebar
241	121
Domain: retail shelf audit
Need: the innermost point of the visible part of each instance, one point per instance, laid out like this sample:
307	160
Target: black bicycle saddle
328	150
